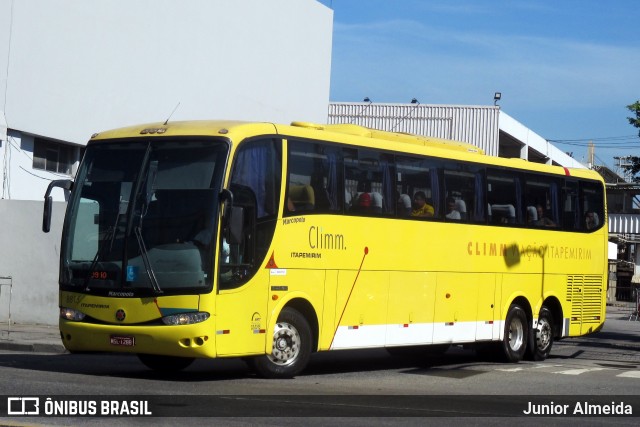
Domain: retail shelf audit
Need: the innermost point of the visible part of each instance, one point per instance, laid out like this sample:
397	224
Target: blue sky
566	68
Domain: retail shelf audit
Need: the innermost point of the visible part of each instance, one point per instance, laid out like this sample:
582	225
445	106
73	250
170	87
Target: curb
33	348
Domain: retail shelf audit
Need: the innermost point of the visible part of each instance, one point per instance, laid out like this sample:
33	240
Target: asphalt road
364	387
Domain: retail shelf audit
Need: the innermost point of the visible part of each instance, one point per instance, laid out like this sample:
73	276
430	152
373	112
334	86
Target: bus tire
516	332
165	363
541	338
291	350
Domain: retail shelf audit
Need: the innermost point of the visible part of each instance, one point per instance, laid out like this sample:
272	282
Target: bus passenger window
418	187
592	204
369	182
504	194
314	178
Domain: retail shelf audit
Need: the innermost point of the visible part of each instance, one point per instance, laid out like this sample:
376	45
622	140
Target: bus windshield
142	218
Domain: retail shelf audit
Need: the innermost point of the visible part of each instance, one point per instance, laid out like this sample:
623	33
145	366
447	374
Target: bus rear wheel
291	350
516	332
165	363
541	339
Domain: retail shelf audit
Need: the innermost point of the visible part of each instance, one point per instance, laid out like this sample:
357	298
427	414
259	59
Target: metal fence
626	296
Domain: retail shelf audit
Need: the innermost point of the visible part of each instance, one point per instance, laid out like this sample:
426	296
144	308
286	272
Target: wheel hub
286	344
543	335
516	335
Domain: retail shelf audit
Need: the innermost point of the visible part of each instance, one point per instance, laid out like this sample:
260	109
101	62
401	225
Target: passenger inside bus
452	212
420	206
461	207
591	220
543	220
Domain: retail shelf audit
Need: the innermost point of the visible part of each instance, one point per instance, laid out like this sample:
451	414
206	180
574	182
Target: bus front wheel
165	363
516	331
541	339
291	350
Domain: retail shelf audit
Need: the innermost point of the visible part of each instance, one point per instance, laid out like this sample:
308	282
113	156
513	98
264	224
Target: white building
70	68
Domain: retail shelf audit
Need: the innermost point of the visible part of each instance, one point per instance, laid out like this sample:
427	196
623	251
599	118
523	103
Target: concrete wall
477	125
70	68
31	258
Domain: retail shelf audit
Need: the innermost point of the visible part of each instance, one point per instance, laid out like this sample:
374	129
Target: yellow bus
269	242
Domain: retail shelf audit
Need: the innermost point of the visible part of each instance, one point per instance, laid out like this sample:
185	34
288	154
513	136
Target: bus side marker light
259	331
353	327
274	297
448	296
223	332
449	323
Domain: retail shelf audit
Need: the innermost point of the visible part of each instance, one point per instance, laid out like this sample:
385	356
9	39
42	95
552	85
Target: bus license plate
122	341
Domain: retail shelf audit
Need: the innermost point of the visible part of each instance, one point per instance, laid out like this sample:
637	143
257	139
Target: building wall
533	141
31	258
20	180
477	125
70	68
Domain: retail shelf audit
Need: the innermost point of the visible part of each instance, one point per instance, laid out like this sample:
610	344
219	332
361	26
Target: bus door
247	231
243	287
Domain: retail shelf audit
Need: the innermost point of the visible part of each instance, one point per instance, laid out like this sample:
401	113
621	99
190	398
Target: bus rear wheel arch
291	349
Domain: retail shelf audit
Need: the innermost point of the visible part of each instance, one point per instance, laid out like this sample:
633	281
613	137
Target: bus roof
238	130
408	138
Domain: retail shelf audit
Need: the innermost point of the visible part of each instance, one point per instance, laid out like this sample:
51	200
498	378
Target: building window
52	156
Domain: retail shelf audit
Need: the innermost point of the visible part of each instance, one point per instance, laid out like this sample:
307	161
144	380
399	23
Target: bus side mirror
46	214
65	184
235	224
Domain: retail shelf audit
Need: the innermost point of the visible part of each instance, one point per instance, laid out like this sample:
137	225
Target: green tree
635	121
634	166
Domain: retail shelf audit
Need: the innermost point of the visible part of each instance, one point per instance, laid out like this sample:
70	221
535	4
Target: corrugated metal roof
477	125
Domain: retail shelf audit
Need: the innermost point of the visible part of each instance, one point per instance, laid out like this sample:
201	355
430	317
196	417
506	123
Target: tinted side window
571	217
315	178
464	192
255	184
591	205
369	182
504	196
418	188
541	195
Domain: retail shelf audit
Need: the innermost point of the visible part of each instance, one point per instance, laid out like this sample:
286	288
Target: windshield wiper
145	258
149	180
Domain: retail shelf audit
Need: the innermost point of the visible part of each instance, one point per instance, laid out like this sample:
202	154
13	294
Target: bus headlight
186	318
71	314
